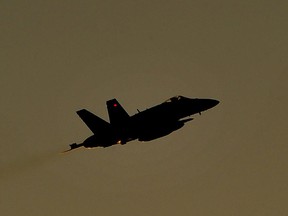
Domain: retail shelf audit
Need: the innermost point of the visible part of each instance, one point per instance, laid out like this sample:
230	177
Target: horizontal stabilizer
93	122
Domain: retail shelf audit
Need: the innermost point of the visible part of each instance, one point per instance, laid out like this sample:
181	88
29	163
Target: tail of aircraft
93	122
117	114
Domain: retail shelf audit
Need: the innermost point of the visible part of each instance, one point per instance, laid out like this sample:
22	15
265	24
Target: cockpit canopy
174	99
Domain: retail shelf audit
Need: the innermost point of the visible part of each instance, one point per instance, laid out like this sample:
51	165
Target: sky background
57	57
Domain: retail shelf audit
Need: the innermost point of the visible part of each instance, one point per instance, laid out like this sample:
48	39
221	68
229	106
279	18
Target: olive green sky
60	56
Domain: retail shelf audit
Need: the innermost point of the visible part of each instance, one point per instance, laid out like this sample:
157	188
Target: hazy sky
57	57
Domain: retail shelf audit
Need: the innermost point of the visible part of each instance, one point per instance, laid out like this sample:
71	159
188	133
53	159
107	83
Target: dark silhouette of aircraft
147	125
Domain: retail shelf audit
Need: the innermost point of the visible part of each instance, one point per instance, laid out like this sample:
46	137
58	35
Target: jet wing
93	122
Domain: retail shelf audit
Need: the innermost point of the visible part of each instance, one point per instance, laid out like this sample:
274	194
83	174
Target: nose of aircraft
192	106
207	103
213	102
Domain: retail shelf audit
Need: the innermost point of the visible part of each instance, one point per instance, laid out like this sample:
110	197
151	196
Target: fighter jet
147	125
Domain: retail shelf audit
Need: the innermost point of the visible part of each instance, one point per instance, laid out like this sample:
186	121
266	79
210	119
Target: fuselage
165	118
155	122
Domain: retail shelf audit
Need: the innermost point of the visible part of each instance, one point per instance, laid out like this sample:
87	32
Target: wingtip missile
73	146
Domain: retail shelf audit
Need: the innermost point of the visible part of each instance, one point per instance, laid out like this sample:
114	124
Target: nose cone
196	105
212	102
205	104
209	103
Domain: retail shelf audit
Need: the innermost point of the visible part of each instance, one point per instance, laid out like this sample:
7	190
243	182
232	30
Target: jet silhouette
147	125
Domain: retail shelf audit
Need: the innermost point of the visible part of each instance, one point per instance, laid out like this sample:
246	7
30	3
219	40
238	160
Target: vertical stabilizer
117	114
